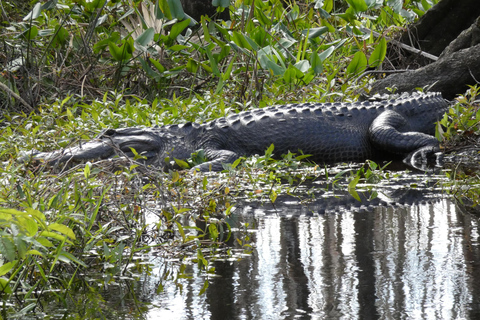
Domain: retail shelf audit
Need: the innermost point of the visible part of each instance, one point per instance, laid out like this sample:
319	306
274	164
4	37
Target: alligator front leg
388	132
216	160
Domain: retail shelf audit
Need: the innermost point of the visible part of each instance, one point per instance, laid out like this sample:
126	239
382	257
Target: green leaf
61	36
4	286
213	62
358	5
192	66
5	216
277	70
325	54
67	257
396	5
371	3
322	9
266	57
7	267
91	5
144	39
86	170
119	53
161	10
45	242
206	67
269	151
182	164
239	39
51	4
328	5
102	44
53	235
316	63
213	232
28	308
180	230
21	246
30	226
273	196
206	32
157	65
177	28
264	20
426	5
177	47
205	287
30	33
35	13
378	53
352	188
290	75
358	63
252	43
7	248
62	229
228	72
176	10
221	3
303	66
93	217
348	16
237	162
315	32
35	252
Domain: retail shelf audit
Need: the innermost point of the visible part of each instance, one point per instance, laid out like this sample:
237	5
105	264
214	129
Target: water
421	261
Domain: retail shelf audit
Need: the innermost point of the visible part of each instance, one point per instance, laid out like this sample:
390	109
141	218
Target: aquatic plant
84	66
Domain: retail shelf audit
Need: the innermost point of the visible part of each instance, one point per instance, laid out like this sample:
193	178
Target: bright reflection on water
420	262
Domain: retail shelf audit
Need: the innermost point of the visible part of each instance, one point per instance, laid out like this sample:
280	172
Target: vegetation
460	130
73	68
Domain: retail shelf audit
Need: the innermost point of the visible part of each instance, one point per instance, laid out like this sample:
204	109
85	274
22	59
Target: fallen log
451	74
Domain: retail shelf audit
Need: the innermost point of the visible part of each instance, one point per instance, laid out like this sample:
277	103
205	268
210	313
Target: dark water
421	261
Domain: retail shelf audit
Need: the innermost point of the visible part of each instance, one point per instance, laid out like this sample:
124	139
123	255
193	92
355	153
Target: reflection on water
420	262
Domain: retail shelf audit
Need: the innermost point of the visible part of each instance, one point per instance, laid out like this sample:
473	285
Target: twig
403	45
16	96
379	71
471	74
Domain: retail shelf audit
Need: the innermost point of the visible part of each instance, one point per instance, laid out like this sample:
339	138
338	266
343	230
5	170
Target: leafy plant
74	68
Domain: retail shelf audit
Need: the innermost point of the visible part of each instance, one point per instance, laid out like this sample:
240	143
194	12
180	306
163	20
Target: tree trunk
451	29
441	25
449	75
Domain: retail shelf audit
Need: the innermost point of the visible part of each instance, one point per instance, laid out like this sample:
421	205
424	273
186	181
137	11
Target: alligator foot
425	159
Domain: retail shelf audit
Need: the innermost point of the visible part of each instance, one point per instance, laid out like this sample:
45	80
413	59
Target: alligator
328	132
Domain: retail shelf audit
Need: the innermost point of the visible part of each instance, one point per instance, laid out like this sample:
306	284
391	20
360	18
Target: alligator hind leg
389	132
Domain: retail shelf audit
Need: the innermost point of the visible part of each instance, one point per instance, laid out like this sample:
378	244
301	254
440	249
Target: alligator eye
110	132
339	114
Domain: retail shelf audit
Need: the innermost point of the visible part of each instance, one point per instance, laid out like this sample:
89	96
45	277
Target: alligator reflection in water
419	262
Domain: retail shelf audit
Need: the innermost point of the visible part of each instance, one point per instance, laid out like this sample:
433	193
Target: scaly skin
330	132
